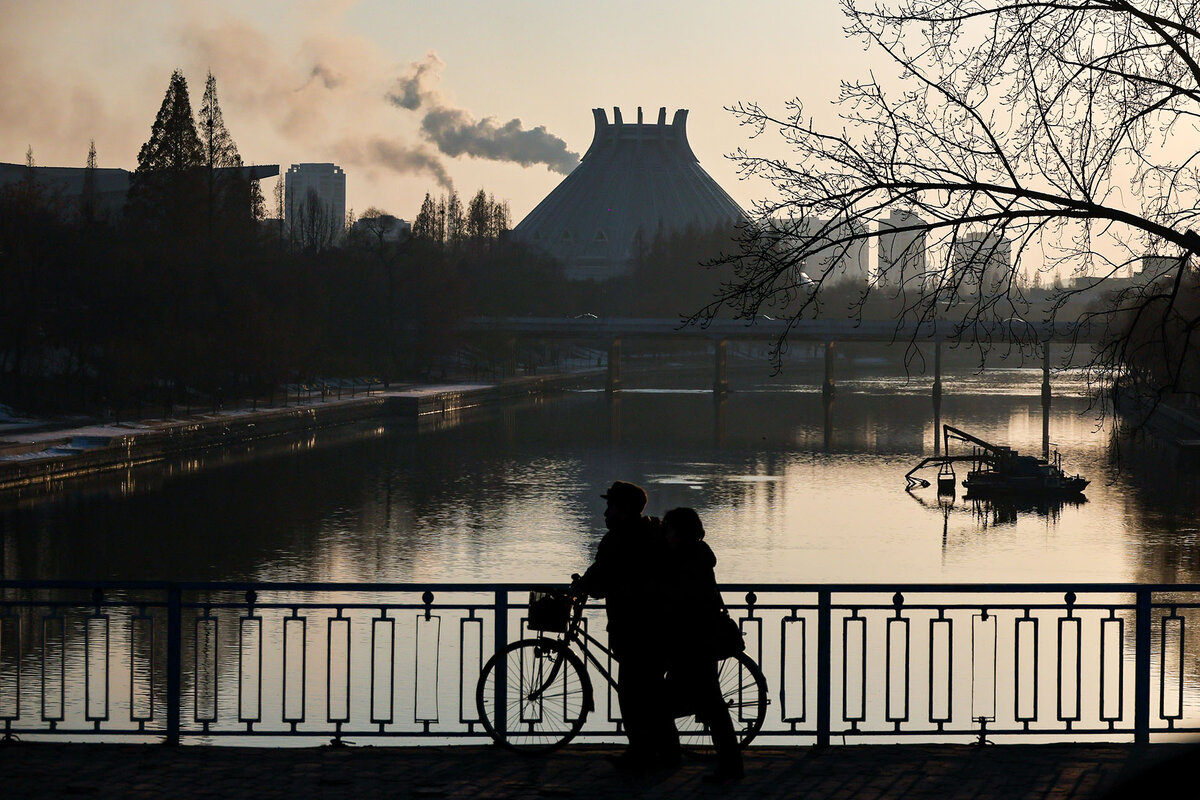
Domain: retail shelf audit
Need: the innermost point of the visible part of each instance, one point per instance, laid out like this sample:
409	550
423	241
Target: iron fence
847	662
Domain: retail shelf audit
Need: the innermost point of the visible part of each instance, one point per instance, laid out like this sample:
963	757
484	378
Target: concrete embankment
43	457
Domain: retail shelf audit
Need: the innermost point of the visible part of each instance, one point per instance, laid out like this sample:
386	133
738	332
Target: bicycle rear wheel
533	696
744	690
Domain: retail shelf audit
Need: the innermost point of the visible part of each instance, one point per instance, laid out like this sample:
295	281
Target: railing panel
843	663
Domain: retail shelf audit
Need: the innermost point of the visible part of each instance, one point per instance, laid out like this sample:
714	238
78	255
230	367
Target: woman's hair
686	521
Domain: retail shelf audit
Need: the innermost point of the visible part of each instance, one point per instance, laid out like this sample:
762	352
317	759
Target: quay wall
72	454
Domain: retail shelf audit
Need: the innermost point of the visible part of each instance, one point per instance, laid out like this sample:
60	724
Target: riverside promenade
37	453
864	772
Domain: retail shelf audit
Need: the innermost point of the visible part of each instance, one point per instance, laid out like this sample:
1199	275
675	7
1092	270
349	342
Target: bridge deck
864	772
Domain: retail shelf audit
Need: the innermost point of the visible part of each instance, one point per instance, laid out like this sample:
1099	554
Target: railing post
501	641
1141	672
174	661
824	665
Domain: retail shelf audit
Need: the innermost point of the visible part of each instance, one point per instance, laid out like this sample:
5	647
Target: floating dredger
996	470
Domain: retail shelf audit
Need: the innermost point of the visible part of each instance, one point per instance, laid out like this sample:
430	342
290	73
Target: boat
998	471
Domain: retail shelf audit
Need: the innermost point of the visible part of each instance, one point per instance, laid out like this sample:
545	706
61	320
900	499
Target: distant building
985	258
1156	266
110	186
325	182
847	262
385	227
635	182
901	253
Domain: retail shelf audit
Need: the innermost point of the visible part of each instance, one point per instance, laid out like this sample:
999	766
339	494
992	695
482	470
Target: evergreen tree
174	146
423	225
165	189
455	221
219	149
87	198
234	200
479	222
500	217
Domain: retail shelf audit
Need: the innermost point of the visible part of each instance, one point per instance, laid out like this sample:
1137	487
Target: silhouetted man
627	573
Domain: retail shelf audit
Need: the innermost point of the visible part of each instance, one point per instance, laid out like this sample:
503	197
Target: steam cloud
456	132
333	110
396	156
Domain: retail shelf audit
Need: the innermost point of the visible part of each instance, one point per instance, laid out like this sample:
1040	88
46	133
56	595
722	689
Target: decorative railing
929	662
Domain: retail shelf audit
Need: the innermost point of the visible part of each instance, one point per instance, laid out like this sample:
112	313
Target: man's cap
626	495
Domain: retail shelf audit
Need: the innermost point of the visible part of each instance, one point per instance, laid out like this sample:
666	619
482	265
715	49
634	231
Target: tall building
845	262
985	258
324	182
637	181
902	253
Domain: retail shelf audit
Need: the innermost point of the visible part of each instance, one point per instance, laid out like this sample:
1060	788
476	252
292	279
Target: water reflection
793	488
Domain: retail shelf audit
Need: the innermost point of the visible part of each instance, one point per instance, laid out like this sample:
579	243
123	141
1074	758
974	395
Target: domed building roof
635	181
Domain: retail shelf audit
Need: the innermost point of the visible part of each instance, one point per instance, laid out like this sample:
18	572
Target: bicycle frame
576	635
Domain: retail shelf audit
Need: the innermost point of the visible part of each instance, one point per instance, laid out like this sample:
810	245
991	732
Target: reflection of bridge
612	331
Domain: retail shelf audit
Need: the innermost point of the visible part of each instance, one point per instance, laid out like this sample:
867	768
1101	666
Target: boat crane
996	469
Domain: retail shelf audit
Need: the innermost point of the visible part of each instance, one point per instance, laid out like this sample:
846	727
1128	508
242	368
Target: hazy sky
326	81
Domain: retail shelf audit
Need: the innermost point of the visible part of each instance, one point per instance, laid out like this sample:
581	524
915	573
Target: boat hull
992	485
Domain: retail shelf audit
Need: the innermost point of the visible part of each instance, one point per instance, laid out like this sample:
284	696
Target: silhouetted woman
695	605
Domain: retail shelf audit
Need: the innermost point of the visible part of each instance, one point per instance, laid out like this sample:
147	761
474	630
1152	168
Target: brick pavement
865	772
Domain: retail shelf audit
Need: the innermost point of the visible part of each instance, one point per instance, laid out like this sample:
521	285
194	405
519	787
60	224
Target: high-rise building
847	261
986	259
902	254
315	189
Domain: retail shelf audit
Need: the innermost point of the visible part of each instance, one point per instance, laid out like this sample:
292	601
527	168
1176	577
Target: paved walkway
946	772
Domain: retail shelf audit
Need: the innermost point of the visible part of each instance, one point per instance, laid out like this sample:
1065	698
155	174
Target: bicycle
544	689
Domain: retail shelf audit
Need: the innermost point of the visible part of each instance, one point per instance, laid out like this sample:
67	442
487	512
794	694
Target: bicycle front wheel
744	690
533	696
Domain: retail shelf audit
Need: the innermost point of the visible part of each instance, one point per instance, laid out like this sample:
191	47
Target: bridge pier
828	388
1046	394
937	397
720	377
614	365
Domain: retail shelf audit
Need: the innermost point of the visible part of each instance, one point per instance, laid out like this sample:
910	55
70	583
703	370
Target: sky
414	97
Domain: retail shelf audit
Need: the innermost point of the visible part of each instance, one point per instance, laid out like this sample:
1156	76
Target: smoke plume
394	155
456	132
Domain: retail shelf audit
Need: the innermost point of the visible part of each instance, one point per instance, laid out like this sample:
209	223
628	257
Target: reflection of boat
999	471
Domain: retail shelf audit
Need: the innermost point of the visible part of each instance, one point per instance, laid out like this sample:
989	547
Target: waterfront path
864	772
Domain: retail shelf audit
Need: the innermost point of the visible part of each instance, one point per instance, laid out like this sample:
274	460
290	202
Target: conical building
635	182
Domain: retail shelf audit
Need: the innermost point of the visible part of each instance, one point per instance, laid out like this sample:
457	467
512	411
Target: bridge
614	331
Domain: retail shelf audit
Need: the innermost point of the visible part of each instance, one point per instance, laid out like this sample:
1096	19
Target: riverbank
864	772
33	455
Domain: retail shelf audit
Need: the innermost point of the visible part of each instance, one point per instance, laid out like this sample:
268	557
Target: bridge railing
843	663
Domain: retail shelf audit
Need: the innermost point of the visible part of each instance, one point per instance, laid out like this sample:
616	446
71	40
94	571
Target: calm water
511	493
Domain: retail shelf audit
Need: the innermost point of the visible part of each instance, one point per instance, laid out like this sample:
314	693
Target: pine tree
423	225
455	221
165	190
479	221
219	149
233	199
87	198
174	146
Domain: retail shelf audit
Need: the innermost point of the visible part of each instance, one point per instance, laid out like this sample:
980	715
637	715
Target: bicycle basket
549	611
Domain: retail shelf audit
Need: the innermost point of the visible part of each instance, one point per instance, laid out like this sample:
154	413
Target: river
511	493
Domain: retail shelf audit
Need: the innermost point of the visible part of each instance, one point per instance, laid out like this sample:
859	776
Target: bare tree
314	227
1023	136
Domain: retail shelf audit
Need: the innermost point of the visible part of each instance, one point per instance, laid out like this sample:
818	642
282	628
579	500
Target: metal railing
847	662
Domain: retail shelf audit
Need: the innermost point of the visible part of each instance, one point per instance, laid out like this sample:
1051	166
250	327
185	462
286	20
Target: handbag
727	638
